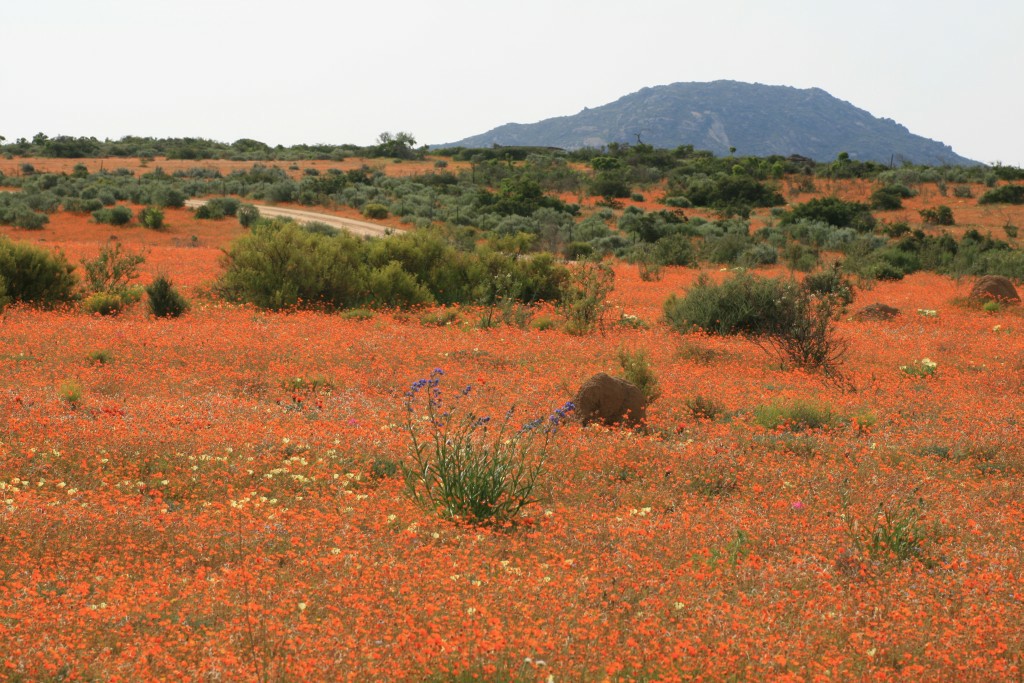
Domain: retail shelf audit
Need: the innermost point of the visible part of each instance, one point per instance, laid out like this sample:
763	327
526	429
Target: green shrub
320	228
209	212
103	303
116	215
782	316
730	190
830	281
637	370
743	304
940	215
375	211
278	265
394	287
833	211
584	297
167	197
888	198
152	217
803	333
281	265
163	300
112	270
27	219
36	276
247	215
218	207
1007	194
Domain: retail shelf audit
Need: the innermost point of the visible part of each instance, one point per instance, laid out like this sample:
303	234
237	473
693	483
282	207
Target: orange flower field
220	496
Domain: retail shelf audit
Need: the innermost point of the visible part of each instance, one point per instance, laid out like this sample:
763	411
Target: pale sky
320	71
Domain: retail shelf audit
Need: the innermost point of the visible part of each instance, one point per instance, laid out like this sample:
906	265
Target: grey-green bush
115	215
152	217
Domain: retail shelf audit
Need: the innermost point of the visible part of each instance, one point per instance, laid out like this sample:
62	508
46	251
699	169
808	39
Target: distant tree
399	146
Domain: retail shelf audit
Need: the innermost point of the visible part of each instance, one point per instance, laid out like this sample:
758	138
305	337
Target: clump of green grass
796	415
357	314
441	317
71	393
894	534
703	407
100	356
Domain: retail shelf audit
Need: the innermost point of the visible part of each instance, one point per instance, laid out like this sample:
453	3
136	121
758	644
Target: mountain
758	120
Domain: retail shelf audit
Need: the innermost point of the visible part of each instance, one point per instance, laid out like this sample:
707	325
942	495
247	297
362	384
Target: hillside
758	120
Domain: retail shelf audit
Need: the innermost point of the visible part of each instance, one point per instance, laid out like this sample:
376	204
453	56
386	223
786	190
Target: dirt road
301	216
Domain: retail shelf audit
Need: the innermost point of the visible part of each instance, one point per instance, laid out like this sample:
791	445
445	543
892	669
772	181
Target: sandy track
301	216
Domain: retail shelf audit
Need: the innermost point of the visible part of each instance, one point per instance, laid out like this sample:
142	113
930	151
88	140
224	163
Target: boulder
610	401
994	287
877	311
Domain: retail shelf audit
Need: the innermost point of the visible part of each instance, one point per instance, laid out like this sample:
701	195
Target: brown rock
877	311
994	287
609	401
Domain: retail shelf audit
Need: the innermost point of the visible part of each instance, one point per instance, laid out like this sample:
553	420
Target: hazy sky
337	71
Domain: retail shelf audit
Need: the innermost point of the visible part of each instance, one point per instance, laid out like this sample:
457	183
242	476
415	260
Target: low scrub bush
25	218
103	303
636	368
36	276
112	270
218	207
939	215
1007	194
167	197
744	304
115	215
833	211
163	300
375	211
584	297
247	215
831	282
889	197
152	217
782	316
